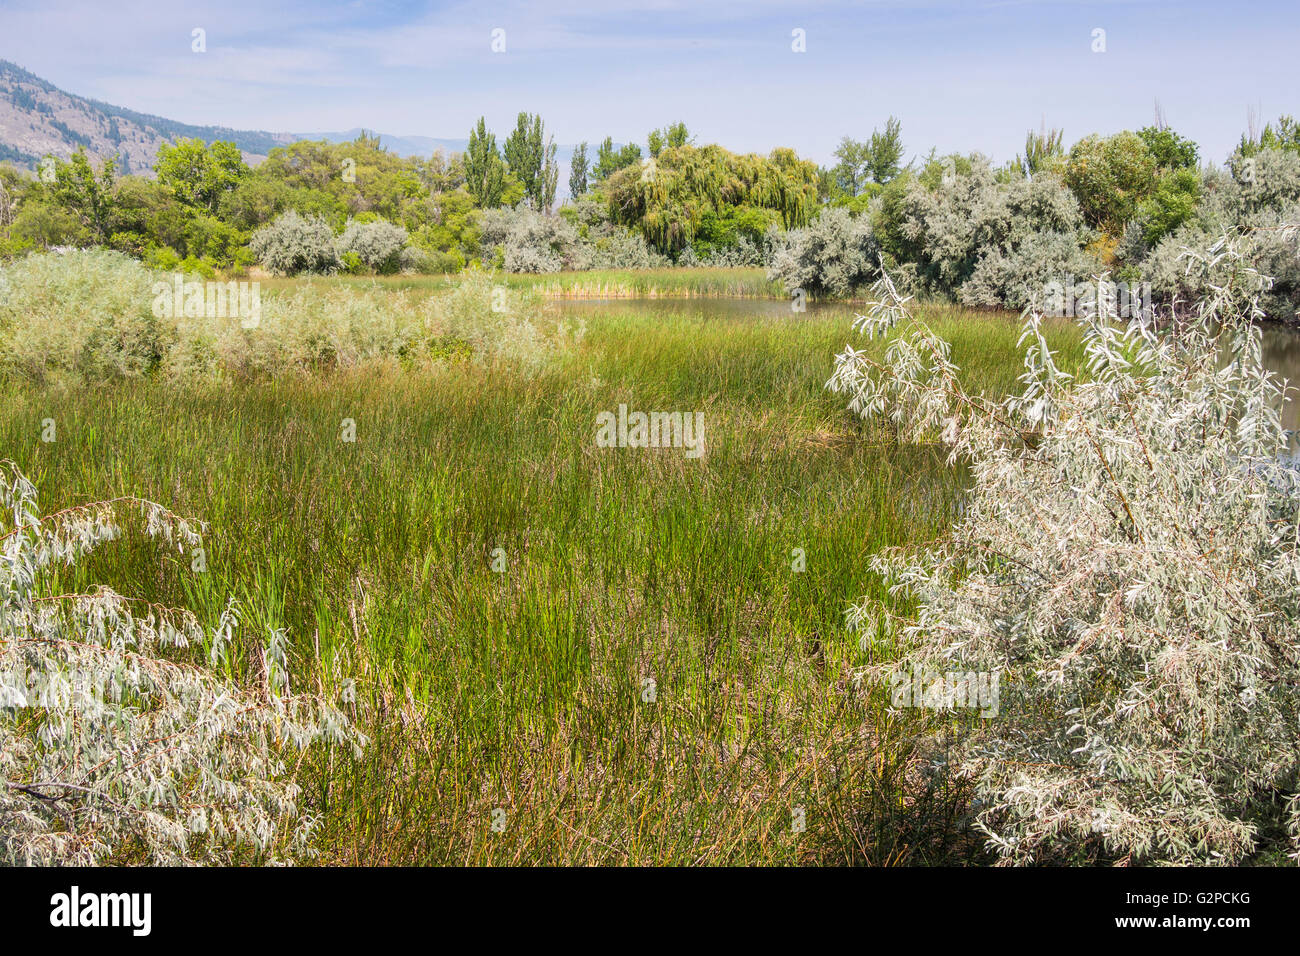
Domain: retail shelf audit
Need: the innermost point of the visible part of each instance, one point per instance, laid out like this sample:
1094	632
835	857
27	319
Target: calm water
1281	345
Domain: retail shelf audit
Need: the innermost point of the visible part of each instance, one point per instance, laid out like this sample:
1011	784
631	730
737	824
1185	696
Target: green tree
1111	176
85	194
200	175
610	160
886	152
485	173
1172	204
1043	150
578	171
1285	136
1171	151
850	174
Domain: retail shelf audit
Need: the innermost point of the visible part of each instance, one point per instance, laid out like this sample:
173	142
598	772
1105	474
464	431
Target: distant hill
38	119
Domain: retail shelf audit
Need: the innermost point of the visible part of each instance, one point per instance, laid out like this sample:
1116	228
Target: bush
614	247
117	748
377	245
1012	275
293	245
83	315
1124	567
1252	201
528	241
833	255
963	224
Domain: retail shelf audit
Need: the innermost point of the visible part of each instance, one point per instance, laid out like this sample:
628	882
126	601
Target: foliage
200	175
1111	176
530	158
1125	564
85	315
1044	151
529	241
1170	151
835	255
1254	202
293	245
1286	136
484	170
668	201
116	745
610	160
1172	204
377	244
578	171
958	222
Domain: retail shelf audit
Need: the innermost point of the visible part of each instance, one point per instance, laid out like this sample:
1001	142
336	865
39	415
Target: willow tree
669	198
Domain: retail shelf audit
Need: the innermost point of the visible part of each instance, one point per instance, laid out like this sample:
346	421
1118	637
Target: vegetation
952	227
1124	569
125	738
525	689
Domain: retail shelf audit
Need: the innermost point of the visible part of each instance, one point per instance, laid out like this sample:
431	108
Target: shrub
962	220
292	245
1253	201
1125	565
614	247
377	245
833	255
1013	275
116	746
1111	176
529	241
317	328
83	315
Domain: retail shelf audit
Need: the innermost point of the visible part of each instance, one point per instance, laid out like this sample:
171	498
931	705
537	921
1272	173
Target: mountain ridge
38	119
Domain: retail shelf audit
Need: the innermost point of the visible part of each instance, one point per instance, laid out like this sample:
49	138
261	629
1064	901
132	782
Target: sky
961	76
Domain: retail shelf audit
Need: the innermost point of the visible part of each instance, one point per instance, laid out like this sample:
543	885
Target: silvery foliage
377	244
746	253
833	255
610	246
987	242
529	241
110	748
293	244
1255	199
81	316
1012	275
1127	563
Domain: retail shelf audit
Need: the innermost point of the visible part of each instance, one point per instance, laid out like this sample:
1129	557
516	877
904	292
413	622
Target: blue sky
971	75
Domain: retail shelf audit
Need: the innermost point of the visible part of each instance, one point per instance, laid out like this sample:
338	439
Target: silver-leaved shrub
378	244
1127	567
293	245
114	745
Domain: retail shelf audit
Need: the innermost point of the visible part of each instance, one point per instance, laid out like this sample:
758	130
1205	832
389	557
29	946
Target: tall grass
667	282
510	713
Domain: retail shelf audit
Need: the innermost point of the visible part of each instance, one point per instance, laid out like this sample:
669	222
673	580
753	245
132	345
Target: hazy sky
960	75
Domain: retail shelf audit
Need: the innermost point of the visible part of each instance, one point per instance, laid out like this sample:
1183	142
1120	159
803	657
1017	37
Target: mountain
38	119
